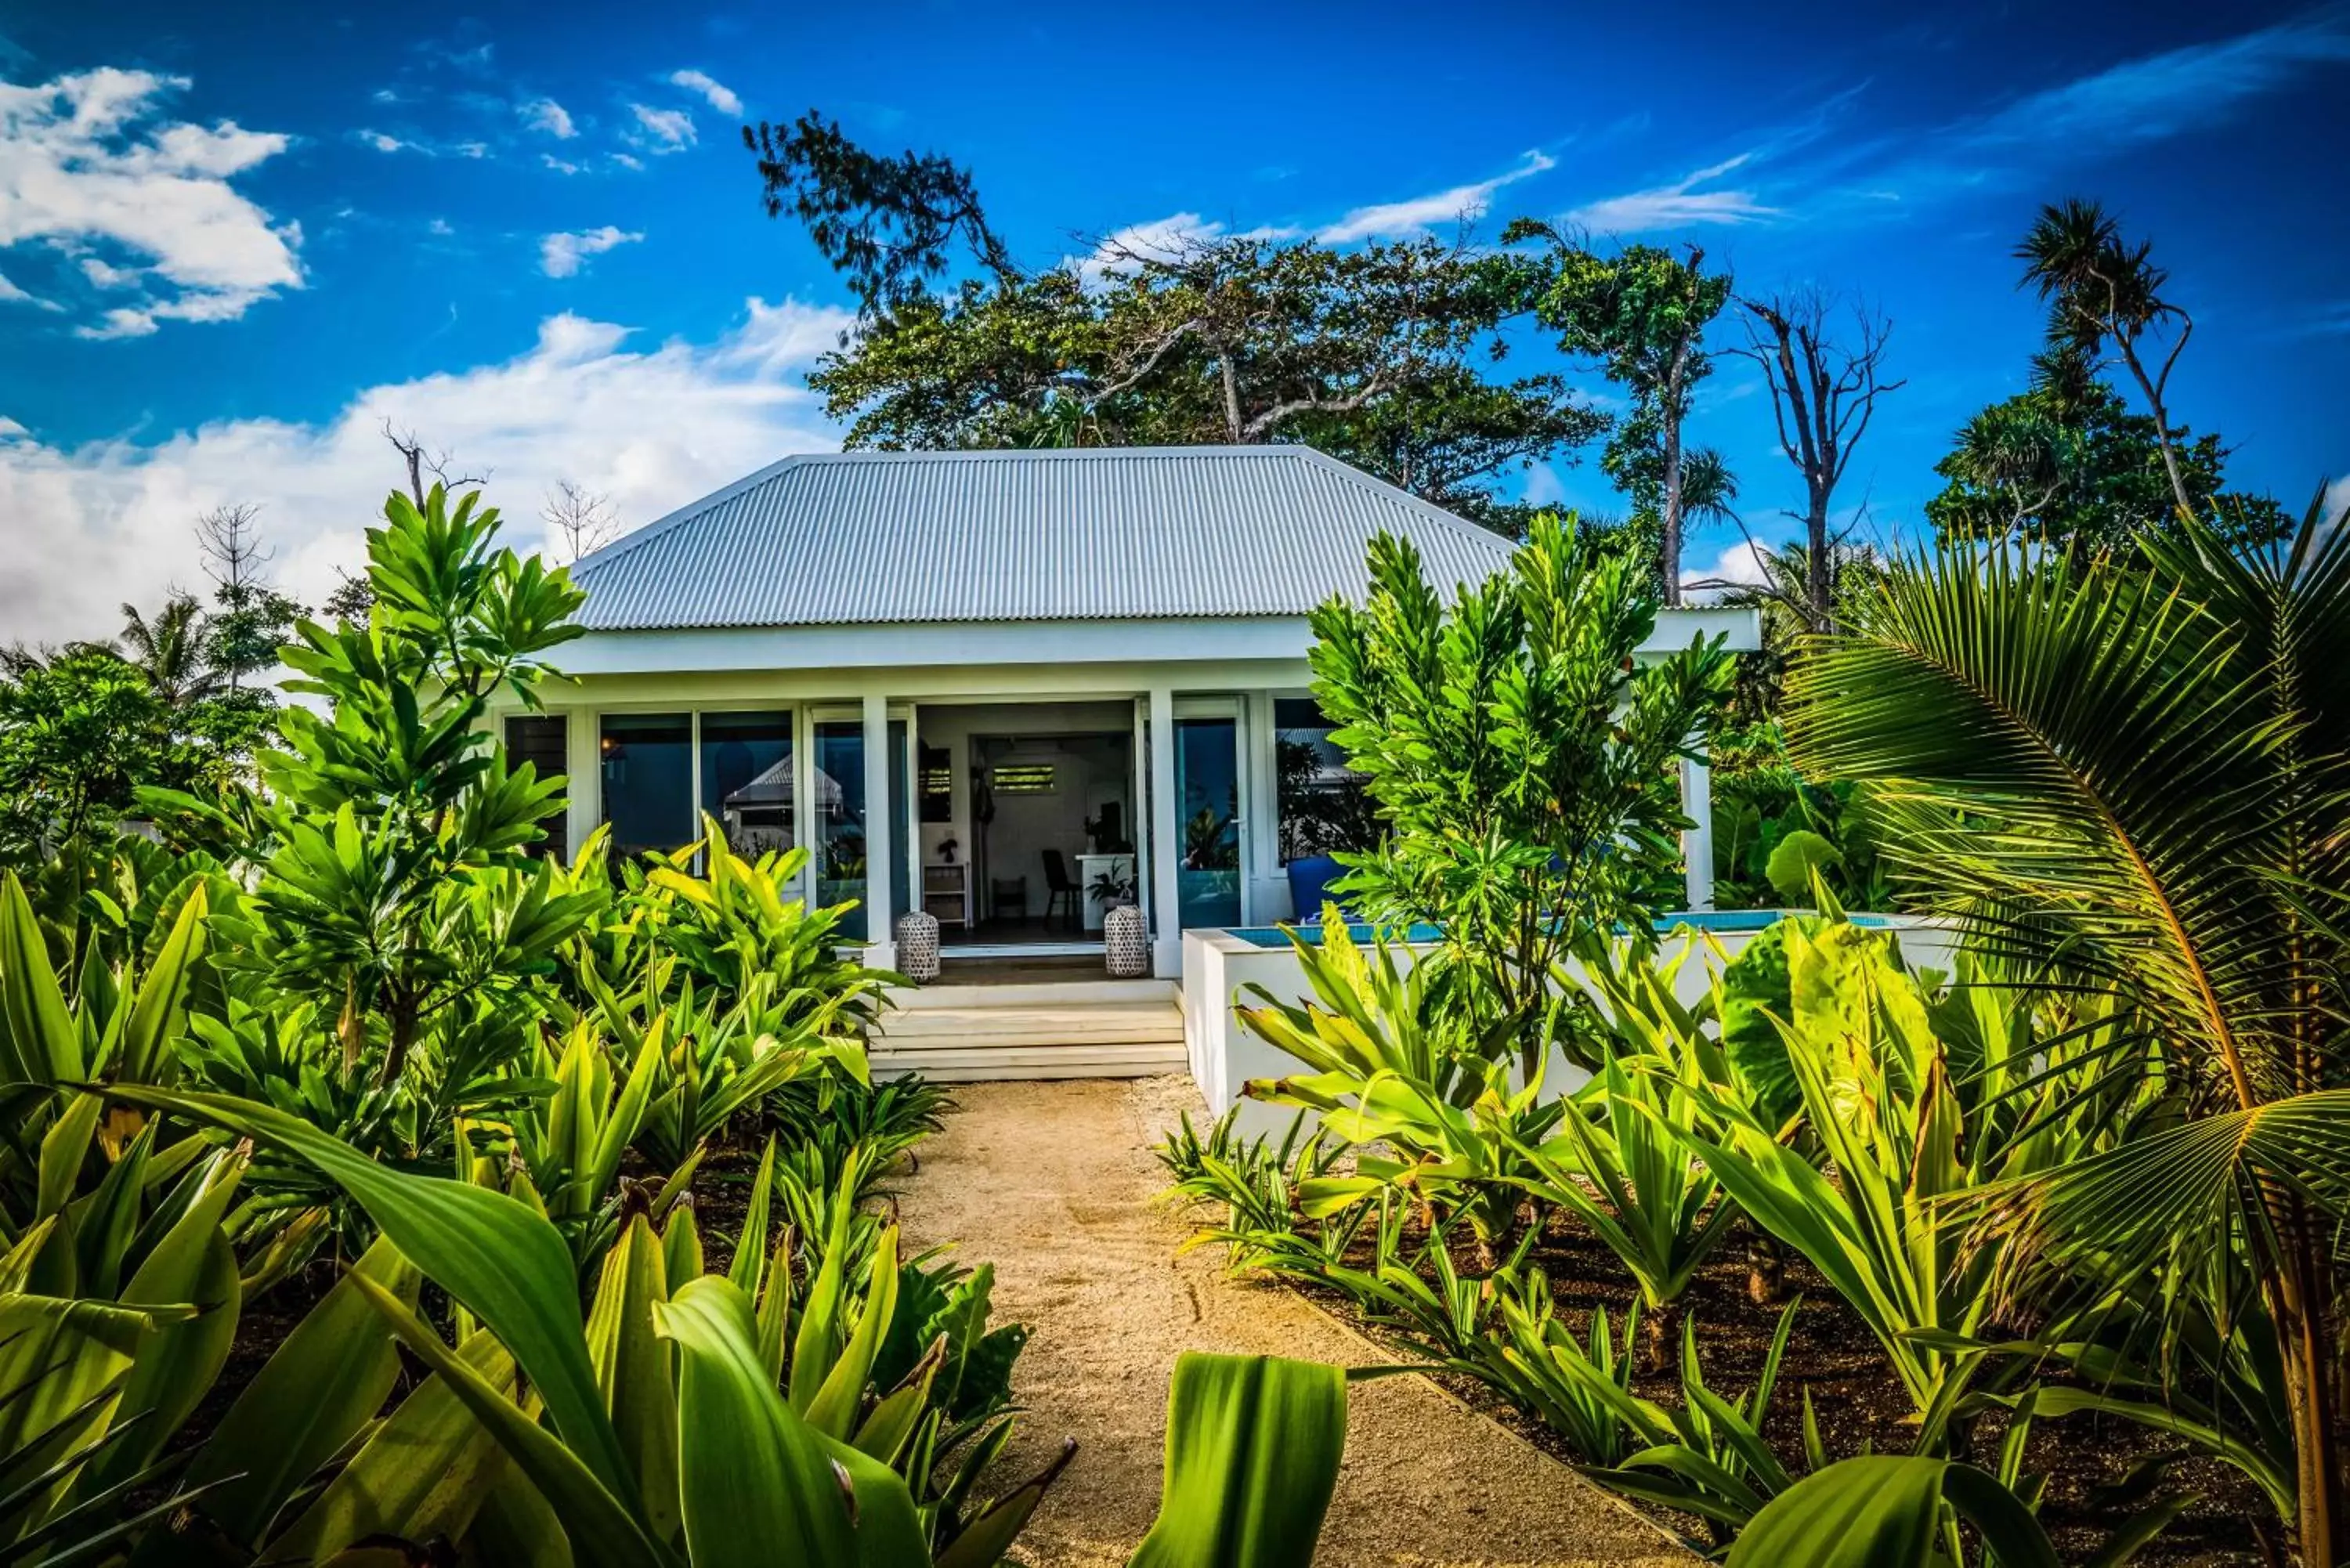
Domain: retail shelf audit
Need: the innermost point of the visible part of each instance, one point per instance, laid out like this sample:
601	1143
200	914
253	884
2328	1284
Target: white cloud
440	226
11	294
81	168
624	161
1741	564
653	428
722	96
560	165
1677	205
383	143
560	256
546	114
1417	215
2338	497
1161	238
665	129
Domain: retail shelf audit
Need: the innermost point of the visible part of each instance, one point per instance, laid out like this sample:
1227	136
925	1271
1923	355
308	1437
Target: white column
582	765
1697	844
880	941
1165	844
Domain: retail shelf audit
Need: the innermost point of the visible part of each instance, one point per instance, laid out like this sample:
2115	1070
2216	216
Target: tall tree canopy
2065	460
1386	354
2068	460
1640	316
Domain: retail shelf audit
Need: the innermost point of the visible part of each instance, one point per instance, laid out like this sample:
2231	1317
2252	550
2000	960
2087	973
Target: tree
173	650
1640	315
1824	392
80	730
2103	293
580	517
1520	758
1381	355
2127	772
392	877
253	621
2065	460
890	224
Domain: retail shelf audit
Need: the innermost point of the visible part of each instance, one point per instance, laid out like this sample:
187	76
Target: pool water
1720	922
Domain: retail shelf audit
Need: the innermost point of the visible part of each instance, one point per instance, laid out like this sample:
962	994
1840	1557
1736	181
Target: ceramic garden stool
1125	942
918	947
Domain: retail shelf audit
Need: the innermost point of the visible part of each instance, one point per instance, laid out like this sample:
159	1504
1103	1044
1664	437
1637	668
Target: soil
1053	1183
1860	1406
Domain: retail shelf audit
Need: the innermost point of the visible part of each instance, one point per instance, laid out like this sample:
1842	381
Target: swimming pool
1720	922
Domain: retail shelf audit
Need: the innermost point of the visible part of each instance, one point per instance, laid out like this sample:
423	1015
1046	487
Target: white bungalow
1008	679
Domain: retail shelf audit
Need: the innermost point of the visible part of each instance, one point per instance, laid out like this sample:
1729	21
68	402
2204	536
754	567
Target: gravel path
1053	1183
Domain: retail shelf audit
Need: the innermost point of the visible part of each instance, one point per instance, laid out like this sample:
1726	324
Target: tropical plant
1904	1512
1256	1183
2130	773
1396	1063
1523	756
1873	1082
679	1426
1619	1163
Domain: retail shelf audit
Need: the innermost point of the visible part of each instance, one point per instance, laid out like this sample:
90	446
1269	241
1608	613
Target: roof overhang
1162	640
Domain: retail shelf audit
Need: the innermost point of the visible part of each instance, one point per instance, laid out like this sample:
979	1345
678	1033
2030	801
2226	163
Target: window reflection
746	779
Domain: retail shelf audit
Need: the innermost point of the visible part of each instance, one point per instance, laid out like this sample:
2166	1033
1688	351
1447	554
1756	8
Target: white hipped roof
880	538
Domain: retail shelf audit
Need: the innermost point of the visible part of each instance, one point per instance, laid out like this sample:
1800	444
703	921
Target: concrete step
994	1073
1123	1023
945	993
971	1063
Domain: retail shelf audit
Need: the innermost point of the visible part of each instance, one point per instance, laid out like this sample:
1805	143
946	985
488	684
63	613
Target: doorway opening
1028	822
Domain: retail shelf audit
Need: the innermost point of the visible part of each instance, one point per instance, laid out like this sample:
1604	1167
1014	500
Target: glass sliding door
647	765
746	779
839	817
1208	820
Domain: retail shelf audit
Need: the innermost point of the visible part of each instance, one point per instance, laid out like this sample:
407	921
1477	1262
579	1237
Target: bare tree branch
1823	393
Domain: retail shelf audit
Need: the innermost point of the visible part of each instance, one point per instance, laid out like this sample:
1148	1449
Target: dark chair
1057	887
1309	884
1007	898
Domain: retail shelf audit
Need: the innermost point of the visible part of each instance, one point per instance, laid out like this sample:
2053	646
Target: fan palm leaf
2132	772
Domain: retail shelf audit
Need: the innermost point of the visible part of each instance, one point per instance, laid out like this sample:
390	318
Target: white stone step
946	993
971	1063
1122	1022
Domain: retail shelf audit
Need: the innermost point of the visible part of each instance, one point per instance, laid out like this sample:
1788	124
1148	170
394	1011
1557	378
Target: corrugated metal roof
864	537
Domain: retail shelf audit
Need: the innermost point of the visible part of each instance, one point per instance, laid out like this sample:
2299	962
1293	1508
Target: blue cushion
1309	883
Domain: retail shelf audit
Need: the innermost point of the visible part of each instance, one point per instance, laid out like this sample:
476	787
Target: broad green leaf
39	1041
604	1531
632	1367
509	1266
173	1371
1253	1445
324	1382
1885	1511
63	1148
159	1014
762	1486
420	1475
833	1409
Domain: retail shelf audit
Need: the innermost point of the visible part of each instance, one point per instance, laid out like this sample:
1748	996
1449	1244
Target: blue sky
235	244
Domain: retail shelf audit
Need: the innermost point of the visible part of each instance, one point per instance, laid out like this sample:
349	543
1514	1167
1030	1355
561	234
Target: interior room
1027	820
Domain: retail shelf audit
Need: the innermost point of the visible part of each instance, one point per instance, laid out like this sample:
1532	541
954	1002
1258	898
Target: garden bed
1858	1404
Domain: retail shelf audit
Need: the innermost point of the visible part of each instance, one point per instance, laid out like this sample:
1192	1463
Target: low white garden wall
1218	963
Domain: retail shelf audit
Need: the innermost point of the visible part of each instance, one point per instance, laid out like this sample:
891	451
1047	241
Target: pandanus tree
2132	774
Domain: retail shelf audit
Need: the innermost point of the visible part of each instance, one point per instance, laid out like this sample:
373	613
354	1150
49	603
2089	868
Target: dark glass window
1322	804
648	769
544	741
746	779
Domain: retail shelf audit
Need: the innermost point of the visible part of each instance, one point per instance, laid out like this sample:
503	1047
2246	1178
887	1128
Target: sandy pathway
1052	1182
